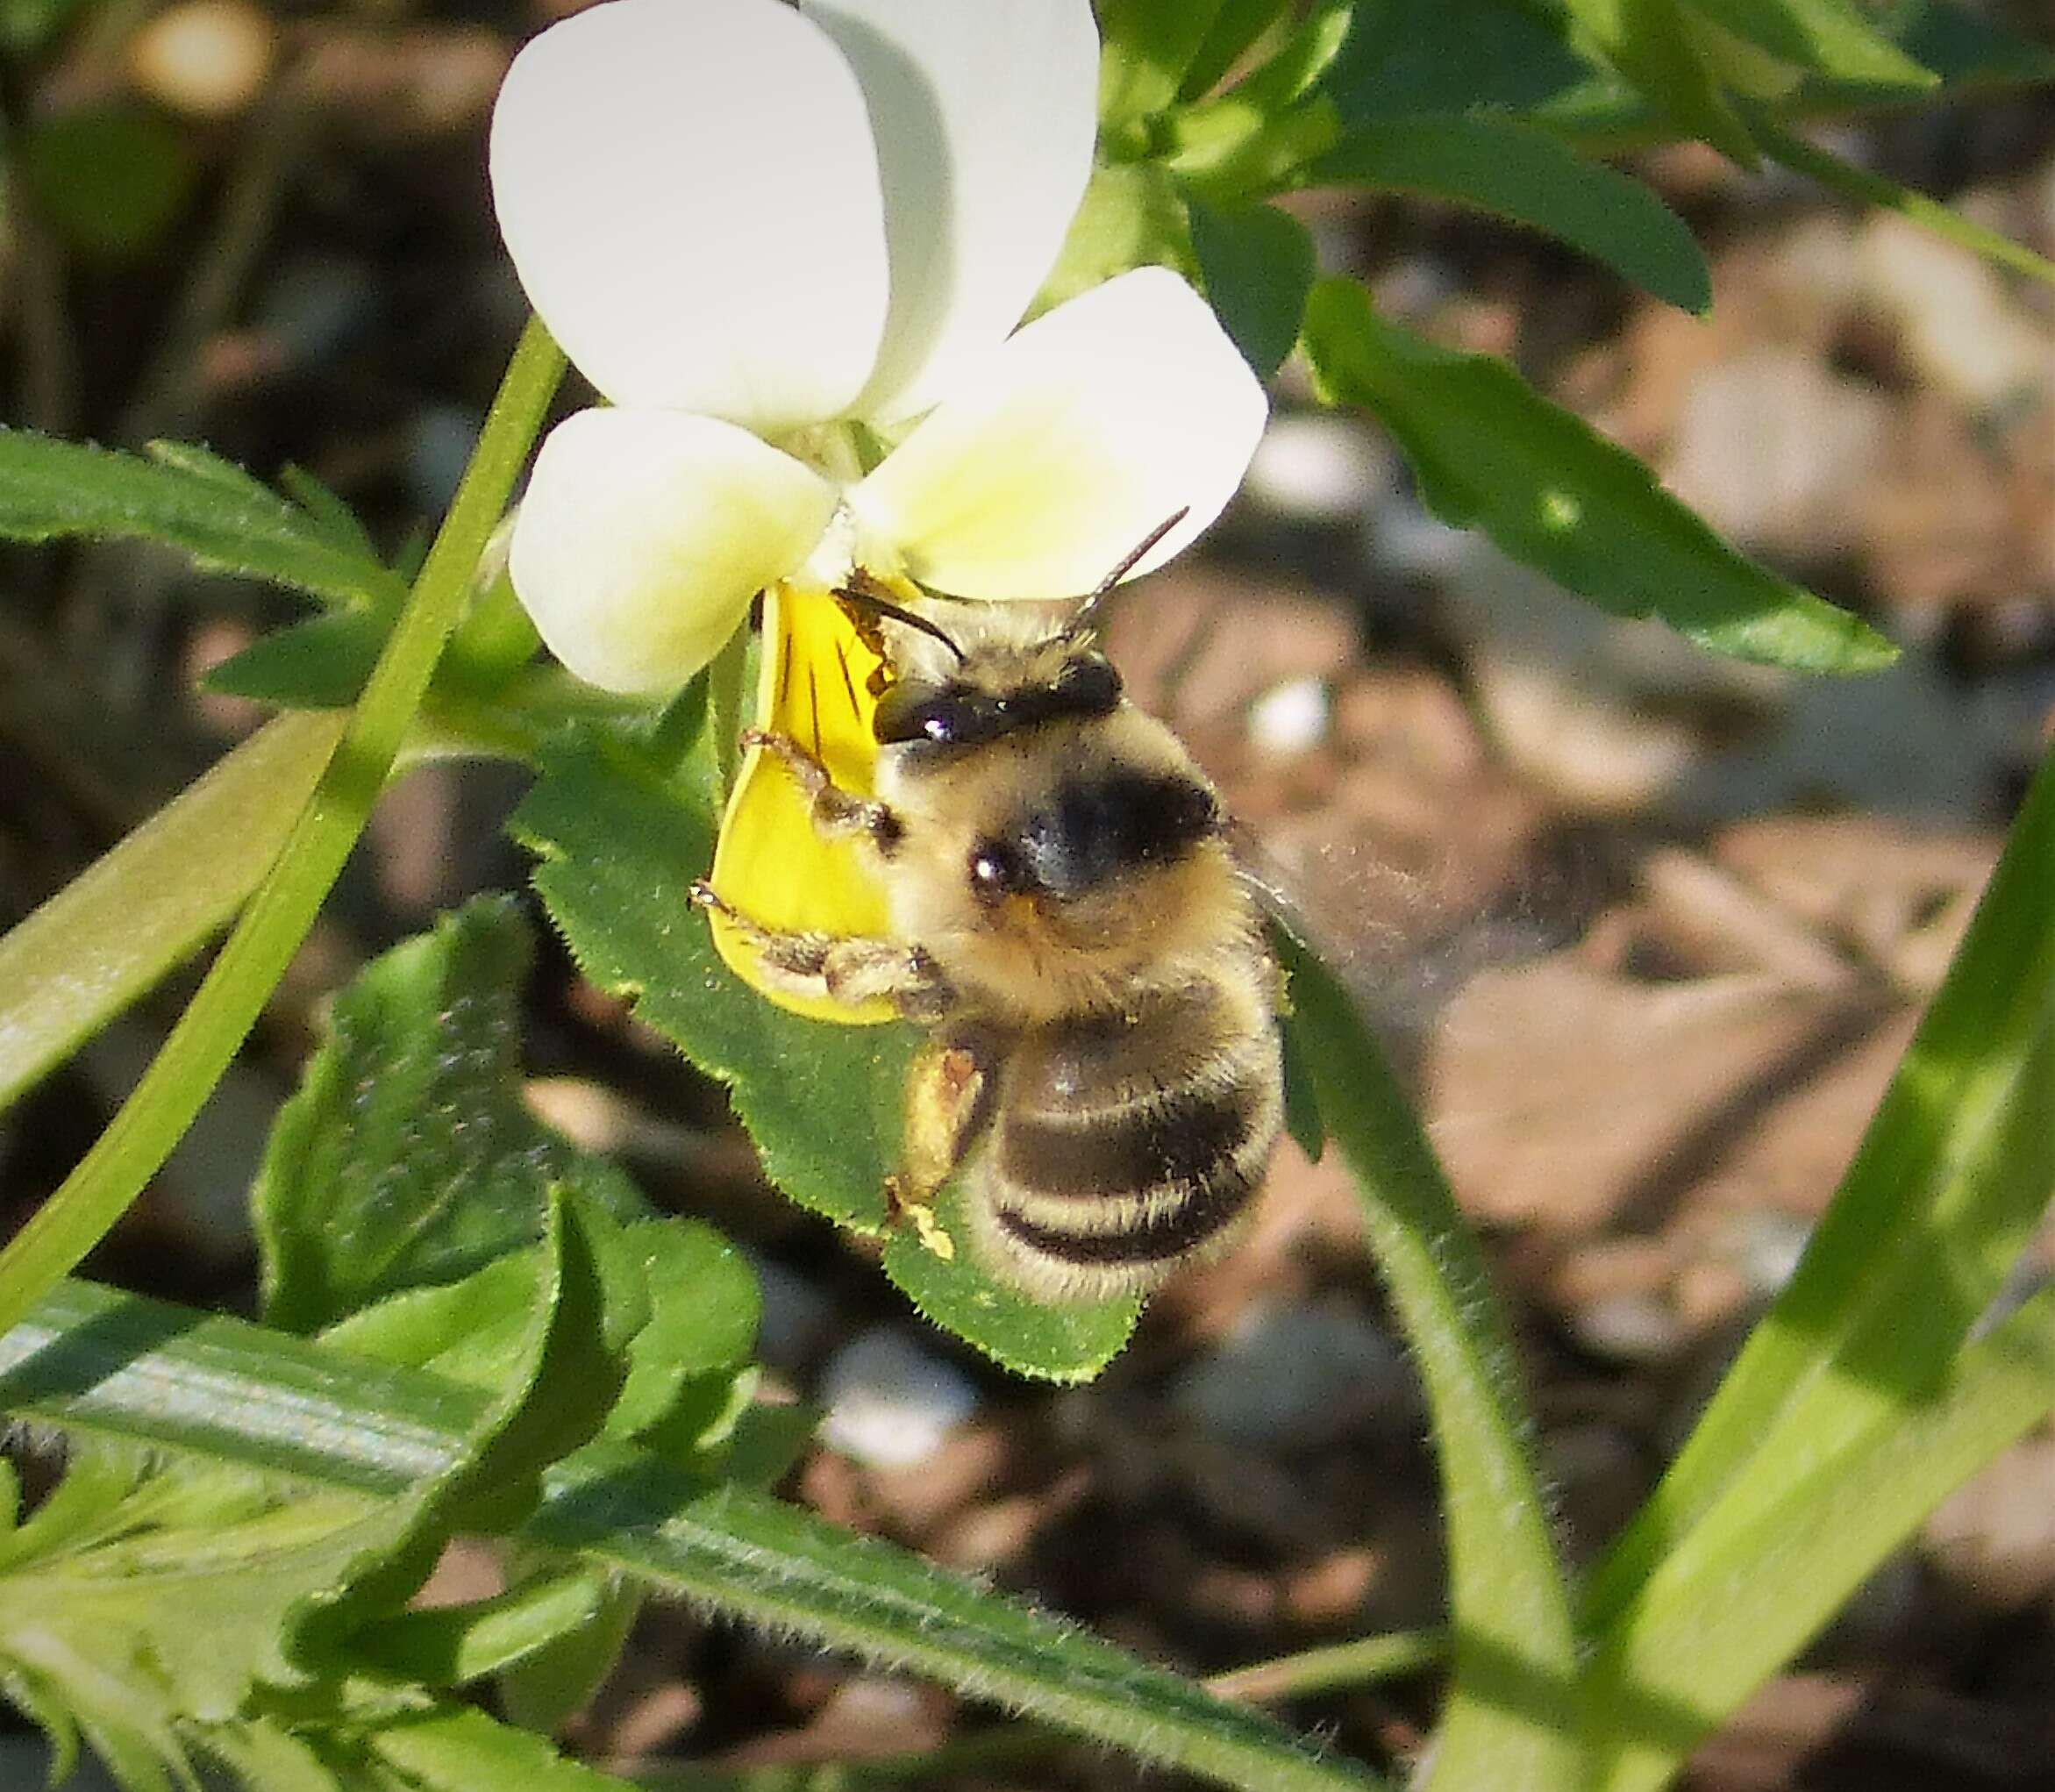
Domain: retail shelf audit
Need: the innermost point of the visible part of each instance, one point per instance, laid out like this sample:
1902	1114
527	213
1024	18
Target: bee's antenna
1087	615
862	592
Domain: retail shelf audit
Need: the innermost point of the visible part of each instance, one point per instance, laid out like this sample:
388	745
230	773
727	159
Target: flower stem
214	1025
1842	177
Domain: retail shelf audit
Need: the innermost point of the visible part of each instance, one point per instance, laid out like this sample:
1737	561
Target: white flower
753	228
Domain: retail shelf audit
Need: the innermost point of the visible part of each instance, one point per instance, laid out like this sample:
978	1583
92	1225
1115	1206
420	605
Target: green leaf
102	1362
1718	1619
151	900
1257	263
1145	48
1399	59
1131	215
542	1688
322	663
619	846
680	1307
111	179
1295	66
1237	26
1828	38
407	1157
1491	455
1510	1719
146	1608
1964	47
553	1393
457	1749
1050	1343
258	950
703	1308
1302	1105
1523	173
1460	54
51	489
337	522
1244	144
1652	42
1951	1176
454	1644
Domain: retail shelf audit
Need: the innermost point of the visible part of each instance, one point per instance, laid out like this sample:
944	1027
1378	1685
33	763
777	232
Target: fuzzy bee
1066	919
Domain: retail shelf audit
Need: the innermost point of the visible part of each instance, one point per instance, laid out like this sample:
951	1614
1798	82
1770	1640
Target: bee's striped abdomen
1129	1140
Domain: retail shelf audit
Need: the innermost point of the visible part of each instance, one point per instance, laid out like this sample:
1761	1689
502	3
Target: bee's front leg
837	814
848	970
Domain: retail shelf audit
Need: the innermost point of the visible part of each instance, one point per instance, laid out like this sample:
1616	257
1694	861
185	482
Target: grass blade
1950	1175
1712	1624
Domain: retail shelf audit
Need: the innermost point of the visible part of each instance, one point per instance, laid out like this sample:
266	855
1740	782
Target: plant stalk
213	1027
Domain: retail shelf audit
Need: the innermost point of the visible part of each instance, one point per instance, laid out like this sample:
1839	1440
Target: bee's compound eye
1089	685
952	716
902	713
996	871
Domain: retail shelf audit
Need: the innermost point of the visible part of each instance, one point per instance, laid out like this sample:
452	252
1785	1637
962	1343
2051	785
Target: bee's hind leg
837	814
845	968
949	1093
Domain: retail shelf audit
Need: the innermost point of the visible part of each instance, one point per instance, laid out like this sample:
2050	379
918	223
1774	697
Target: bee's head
996	692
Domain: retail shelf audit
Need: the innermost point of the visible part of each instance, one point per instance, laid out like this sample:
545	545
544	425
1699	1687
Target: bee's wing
1398	947
771	865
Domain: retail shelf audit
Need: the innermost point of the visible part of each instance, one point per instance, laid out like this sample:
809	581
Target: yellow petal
770	864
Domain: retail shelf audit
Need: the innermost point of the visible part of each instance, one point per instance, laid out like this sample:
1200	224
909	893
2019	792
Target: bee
1104	1068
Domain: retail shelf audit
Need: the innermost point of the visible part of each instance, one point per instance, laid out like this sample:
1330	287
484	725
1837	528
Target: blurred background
1647	930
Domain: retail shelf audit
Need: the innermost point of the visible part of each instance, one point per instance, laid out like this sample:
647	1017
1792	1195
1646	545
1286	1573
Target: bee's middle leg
850	969
837	814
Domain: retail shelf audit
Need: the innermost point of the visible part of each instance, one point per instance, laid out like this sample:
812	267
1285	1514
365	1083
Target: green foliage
1491	455
182	1612
152	901
101	1363
1738	1598
1257	265
322	663
189	499
1237	25
1400	59
1146	46
1520	172
409	1207
1828	38
1466	53
407	1158
1671	65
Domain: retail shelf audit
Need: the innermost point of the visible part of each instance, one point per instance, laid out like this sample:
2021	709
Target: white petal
1090	428
645	535
689	193
984	112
